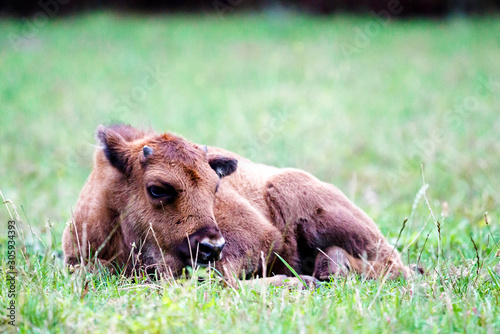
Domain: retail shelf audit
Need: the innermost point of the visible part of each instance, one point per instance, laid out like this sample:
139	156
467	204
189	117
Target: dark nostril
205	248
211	252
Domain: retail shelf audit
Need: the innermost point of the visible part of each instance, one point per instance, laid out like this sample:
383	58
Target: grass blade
291	269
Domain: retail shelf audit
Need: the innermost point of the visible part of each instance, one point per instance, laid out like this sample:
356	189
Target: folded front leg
335	262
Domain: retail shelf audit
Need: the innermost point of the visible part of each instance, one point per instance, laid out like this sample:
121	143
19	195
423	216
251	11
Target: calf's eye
165	193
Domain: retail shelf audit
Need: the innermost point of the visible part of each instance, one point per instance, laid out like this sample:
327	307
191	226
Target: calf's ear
222	165
114	148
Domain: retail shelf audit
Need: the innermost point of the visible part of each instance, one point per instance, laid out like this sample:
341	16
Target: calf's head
166	193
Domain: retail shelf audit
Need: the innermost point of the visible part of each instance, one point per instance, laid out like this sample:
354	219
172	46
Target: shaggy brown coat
154	201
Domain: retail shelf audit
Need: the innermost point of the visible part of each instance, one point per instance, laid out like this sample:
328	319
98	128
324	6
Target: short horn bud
147	151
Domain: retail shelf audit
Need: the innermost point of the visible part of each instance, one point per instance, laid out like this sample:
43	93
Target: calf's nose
206	245
210	250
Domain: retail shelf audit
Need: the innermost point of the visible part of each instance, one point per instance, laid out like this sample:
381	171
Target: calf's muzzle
206	245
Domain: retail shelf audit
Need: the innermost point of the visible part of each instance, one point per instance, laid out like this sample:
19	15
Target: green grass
282	89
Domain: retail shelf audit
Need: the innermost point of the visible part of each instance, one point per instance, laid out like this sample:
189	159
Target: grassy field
358	103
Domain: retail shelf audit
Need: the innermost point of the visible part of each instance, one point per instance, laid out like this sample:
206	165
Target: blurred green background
379	108
358	102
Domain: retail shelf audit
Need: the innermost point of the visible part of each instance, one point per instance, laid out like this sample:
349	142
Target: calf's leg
336	262
320	216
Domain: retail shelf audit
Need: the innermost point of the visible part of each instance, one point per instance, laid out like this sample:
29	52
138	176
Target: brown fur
259	210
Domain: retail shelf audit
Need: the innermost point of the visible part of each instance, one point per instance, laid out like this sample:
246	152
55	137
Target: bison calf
158	203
